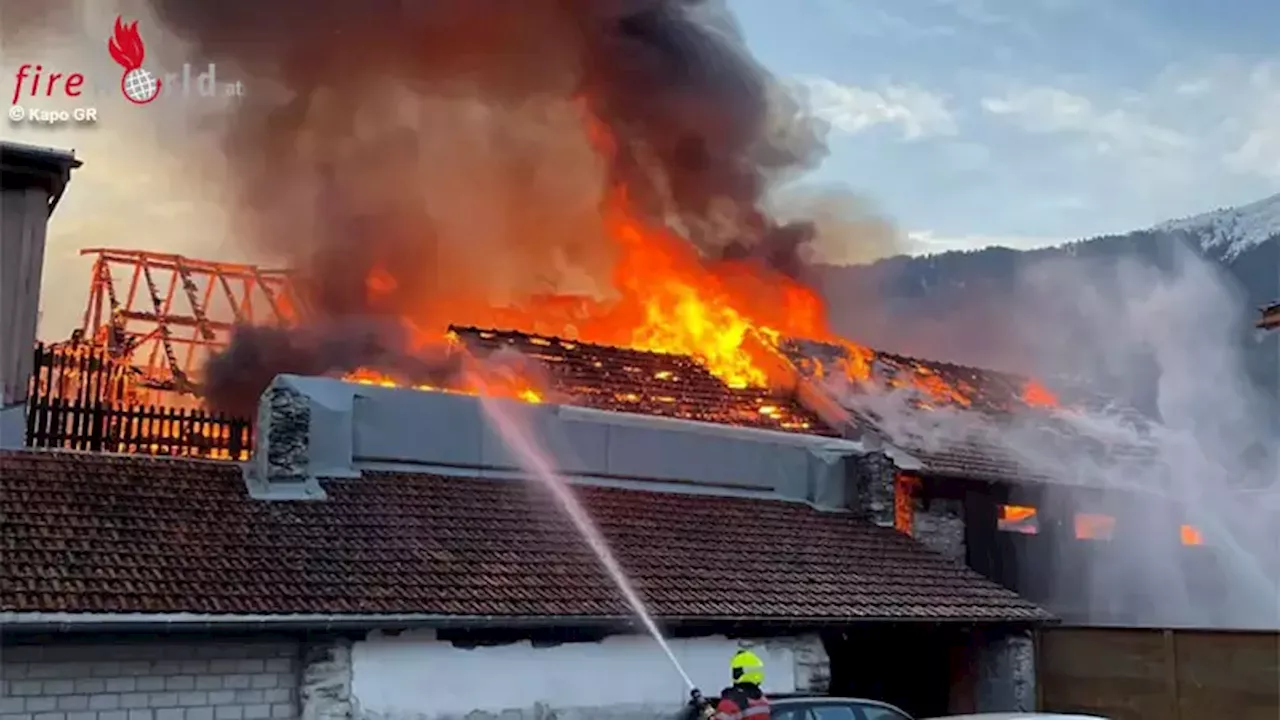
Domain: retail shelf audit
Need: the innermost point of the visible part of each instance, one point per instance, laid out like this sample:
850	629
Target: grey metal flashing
314	429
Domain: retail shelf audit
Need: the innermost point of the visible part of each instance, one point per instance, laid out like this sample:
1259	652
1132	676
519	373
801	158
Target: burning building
380	529
581	246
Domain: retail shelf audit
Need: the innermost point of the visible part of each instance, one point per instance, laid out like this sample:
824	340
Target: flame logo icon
139	85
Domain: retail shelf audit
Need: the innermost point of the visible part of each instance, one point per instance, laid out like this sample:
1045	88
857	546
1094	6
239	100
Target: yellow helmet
747	667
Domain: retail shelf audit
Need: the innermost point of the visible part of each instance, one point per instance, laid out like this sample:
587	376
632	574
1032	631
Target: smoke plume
460	150
1164	337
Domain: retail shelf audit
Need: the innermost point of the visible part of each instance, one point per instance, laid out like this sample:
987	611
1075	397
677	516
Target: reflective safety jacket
742	702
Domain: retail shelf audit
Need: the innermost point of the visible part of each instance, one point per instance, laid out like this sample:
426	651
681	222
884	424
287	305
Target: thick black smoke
442	143
236	377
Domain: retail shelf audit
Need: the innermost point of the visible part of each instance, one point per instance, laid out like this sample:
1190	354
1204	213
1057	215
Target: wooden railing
80	400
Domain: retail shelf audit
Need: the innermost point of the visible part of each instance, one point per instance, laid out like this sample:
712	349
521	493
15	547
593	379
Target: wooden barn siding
1140	674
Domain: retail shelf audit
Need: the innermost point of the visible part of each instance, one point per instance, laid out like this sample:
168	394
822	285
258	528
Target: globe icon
140	86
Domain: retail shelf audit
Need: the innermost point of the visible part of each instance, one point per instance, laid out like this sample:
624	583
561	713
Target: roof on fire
604	377
623	380
102	534
985	450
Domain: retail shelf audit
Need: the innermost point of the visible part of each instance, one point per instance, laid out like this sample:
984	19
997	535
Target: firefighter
744	699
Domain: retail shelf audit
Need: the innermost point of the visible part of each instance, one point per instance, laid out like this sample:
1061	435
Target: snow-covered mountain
1228	233
965	307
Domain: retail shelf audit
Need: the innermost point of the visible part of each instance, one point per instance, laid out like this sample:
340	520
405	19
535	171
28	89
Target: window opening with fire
1024	520
1020	519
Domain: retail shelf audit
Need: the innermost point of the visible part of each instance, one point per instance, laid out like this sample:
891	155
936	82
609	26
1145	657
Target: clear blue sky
1017	121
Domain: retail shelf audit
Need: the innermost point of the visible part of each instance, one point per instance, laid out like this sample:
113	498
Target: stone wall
155	680
873	480
898	500
1006	673
939	526
325	685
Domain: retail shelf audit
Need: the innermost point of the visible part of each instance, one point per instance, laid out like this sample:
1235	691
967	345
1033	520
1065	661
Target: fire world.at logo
139	85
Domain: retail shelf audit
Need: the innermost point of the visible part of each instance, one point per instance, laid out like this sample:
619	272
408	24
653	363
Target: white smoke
1170	338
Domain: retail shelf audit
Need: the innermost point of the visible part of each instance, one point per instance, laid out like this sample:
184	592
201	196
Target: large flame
666	298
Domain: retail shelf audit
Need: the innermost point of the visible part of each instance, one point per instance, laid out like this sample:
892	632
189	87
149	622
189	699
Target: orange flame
1037	395
667	298
510	386
1191	535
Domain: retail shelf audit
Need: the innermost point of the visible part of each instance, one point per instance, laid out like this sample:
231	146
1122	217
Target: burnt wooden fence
80	399
1140	674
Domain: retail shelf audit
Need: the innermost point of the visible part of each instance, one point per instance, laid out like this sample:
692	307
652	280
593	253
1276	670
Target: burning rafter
174	311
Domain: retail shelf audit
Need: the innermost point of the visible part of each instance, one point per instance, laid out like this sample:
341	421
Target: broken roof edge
817	398
41	622
315	428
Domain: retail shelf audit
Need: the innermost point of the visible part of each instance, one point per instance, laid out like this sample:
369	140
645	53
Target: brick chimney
32	180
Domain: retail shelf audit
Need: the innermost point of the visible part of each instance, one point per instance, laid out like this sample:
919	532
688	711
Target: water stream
536	462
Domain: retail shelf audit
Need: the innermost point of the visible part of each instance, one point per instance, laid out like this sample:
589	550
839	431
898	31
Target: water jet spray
534	460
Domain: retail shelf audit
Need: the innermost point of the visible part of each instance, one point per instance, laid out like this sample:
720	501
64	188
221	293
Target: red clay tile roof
611	378
88	533
677	386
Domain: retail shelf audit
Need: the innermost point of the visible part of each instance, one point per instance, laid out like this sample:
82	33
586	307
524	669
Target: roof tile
92	533
623	380
983	451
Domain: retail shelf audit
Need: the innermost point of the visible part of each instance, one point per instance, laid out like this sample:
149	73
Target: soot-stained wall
891	498
939	524
416	675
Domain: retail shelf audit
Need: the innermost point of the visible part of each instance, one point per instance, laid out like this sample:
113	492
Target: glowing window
1094	526
1018	519
1191	535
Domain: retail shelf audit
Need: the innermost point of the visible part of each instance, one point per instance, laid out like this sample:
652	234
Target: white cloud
1259	150
978	12
871	19
927	242
1050	110
918	113
1194	88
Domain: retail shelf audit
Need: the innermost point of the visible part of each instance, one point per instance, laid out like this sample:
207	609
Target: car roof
1020	716
801	700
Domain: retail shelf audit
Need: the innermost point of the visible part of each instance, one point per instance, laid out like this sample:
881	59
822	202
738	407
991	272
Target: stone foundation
1006	673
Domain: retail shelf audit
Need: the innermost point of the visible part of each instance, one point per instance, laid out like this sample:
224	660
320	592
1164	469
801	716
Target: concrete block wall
157	680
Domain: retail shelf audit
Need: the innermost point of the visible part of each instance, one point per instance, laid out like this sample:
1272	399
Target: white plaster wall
415	676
